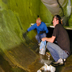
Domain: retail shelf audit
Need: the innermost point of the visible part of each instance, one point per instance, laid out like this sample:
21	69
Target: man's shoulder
42	23
58	25
35	24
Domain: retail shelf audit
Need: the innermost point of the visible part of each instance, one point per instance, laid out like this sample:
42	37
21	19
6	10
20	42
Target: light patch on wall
35	15
5	1
30	9
30	4
1	5
31	12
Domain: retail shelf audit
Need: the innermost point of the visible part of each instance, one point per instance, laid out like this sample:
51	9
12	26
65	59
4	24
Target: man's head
38	21
56	20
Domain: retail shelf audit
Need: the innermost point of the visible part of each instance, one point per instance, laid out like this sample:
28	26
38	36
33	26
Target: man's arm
51	39
29	29
32	27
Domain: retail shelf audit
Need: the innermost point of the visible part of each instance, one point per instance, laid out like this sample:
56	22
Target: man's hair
58	18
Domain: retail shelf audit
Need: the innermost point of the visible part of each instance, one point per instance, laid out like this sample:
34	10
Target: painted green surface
28	11
10	31
70	20
45	14
15	17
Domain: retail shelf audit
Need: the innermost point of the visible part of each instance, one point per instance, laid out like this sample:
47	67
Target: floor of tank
5	65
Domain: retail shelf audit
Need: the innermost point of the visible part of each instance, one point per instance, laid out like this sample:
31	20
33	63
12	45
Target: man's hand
51	39
44	39
24	34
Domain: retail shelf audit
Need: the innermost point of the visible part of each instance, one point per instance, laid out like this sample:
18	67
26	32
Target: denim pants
40	36
56	51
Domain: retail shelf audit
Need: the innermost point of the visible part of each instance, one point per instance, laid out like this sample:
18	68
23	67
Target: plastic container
42	48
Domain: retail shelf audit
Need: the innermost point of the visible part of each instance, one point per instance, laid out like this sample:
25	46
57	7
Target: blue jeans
40	36
56	51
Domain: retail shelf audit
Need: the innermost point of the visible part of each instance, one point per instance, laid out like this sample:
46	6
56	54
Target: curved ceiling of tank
53	5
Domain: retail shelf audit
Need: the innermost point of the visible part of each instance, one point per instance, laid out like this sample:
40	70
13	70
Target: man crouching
61	50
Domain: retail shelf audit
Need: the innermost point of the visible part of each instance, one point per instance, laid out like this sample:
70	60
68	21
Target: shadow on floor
6	67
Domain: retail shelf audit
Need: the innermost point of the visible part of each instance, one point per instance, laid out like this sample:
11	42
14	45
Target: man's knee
48	45
44	34
37	37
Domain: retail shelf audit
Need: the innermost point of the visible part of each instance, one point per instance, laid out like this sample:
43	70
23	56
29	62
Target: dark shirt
62	37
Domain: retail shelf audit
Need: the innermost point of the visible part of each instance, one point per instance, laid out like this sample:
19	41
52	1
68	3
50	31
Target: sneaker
60	61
